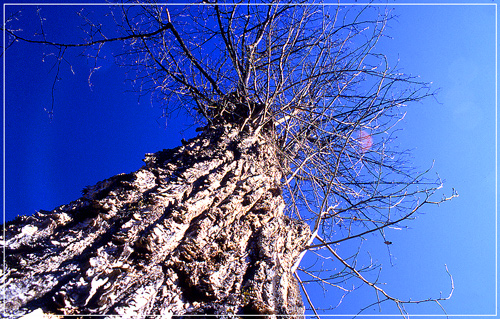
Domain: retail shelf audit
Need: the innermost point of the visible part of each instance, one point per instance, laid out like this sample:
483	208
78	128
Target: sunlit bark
198	229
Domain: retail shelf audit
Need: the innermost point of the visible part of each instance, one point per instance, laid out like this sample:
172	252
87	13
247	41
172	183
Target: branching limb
399	303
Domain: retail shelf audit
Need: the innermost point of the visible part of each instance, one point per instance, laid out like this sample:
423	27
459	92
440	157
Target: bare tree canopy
305	80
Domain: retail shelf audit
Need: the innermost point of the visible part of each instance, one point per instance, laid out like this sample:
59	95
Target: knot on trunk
235	109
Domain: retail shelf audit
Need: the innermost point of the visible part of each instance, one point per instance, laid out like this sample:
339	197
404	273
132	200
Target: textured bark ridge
198	230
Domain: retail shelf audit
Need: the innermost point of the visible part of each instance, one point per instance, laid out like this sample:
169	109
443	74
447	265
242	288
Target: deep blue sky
99	132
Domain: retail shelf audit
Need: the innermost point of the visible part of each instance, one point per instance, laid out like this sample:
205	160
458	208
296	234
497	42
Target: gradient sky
104	130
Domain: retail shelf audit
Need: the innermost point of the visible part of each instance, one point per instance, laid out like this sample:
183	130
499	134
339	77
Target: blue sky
99	132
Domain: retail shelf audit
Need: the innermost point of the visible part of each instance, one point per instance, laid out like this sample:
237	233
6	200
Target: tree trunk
199	229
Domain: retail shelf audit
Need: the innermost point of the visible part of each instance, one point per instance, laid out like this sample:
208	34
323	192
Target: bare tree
297	113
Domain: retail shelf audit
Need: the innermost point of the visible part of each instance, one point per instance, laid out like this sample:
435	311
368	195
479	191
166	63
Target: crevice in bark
47	299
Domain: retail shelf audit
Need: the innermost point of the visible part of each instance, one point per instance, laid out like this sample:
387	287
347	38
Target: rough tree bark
199	229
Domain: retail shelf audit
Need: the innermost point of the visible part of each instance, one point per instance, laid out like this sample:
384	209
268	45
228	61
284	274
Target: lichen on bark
199	229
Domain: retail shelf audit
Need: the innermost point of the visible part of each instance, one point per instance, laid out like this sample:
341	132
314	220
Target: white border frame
337	4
